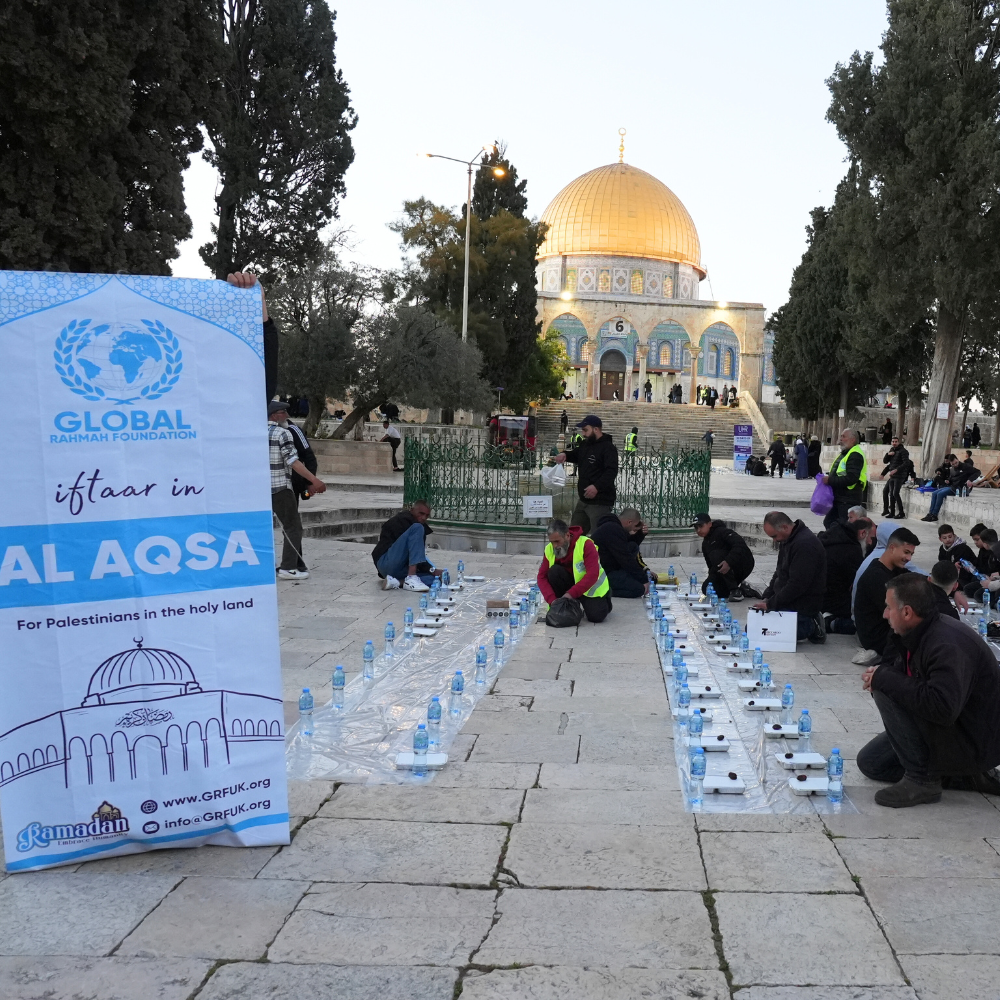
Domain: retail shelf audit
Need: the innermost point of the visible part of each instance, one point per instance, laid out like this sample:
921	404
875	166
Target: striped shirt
283	454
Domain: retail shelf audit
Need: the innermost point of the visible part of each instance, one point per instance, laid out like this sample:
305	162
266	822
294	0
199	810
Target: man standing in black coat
799	582
777	455
843	557
939	698
894	472
596	461
618	539
727	556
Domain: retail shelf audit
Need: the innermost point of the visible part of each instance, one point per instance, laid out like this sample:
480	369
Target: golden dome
620	210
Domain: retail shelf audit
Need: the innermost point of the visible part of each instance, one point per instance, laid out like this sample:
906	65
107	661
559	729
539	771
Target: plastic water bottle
306	713
744	642
684	702
693	583
524	613
368	664
498	648
983	625
390	640
835	776
420	742
758	657
668	643
481	665
460	569
696	783
805	731
457	687
734	631
787	701
696	726
434	722
423	602
676	658
765	677
515	621
713	599
445	578
663	634
680	675
671	575
338	687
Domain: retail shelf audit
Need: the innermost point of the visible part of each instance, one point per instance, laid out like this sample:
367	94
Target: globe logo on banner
118	363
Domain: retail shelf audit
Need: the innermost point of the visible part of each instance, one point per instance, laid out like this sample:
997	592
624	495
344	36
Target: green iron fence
468	480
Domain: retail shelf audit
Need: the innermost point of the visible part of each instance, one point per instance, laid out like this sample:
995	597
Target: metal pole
465	291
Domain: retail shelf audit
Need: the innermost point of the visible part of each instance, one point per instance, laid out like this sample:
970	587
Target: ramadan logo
106	821
118	363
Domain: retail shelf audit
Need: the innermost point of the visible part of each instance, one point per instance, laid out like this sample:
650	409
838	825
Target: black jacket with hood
724	544
843	557
596	461
617	549
799	582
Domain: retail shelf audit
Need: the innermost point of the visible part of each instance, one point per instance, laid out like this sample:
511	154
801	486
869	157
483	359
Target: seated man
843	557
727	556
986	563
399	554
944	579
938	692
869	595
958	476
799	582
618	538
954	550
571	567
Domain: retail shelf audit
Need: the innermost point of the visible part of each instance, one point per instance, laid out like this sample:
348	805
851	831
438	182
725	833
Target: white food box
724	783
715	744
726	648
781	731
678	633
428	623
668	669
762	704
444	602
708	616
474	579
748	684
706	714
719	638
705	691
797	761
740	667
404	760
811	785
439	612
425	632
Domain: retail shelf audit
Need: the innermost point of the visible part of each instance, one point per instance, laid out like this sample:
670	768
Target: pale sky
723	102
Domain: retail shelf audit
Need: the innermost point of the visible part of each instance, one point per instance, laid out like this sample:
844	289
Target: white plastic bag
774	631
554	475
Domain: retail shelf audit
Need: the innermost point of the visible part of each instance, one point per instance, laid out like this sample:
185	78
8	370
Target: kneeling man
618	537
939	698
571	567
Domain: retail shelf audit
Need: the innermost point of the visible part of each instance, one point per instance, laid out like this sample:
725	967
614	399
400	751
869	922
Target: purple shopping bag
822	498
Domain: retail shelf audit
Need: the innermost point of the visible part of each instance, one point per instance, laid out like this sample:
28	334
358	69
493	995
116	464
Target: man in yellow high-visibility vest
848	476
571	567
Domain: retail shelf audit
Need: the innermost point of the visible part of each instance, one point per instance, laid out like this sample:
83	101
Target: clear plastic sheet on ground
359	743
751	755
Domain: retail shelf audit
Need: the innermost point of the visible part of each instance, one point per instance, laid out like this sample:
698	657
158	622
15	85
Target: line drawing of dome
620	210
154	670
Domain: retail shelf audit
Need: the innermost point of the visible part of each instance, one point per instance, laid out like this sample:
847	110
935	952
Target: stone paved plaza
552	859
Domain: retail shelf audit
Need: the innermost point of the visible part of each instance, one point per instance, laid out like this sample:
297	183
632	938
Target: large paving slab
79	914
959	816
475	775
351	850
382	924
219	918
774	862
659	930
929	858
606	857
581	806
930	915
232	862
529	748
564	983
784	939
619	777
953	977
432	804
279	981
828	993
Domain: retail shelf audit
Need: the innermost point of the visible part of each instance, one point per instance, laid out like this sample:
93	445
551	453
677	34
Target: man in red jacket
571	567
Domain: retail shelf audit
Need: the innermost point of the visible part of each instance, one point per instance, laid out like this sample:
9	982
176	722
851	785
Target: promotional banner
140	693
742	445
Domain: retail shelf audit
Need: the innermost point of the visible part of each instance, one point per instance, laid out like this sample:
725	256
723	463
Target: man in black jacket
777	454
596	461
618	539
844	555
939	698
727	556
400	553
869	595
894	466
958	476
799	582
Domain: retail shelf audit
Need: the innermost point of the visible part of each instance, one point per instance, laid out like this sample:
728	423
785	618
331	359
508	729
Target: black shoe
929	517
885	513
908	792
819	636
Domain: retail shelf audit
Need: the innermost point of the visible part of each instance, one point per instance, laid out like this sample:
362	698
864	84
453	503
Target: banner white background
140	695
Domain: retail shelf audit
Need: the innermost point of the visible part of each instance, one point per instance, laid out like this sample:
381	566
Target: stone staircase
661	425
347	524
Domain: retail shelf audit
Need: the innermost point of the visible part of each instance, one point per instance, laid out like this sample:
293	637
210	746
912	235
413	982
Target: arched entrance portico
612	375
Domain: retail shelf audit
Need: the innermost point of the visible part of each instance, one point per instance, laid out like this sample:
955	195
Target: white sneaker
865	657
293	574
415	583
389	583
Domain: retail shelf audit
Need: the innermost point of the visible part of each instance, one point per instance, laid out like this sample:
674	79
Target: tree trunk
996	428
356	416
943	388
901	416
317	410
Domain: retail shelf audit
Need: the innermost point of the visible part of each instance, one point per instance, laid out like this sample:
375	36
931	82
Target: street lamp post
497	172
